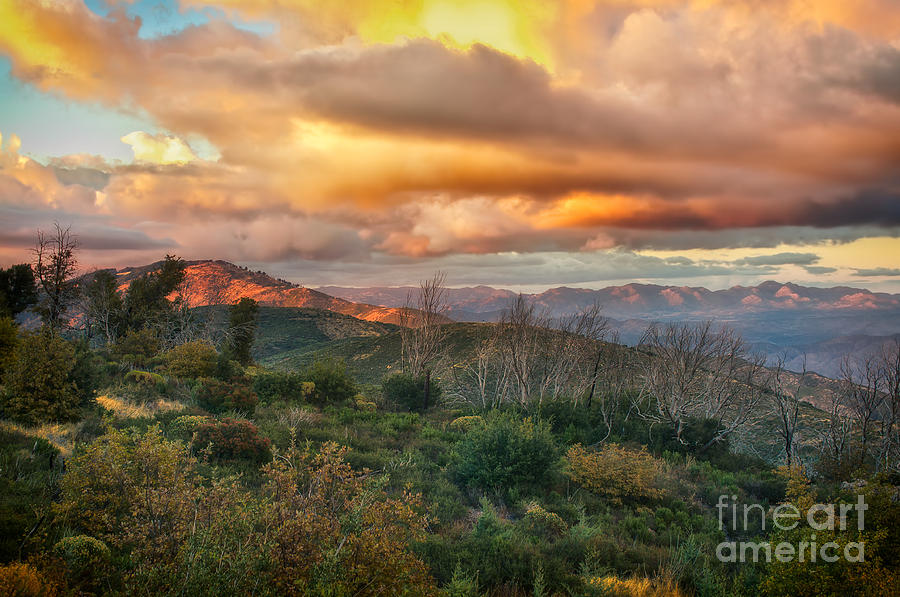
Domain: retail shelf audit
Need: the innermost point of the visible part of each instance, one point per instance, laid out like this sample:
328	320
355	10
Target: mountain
648	300
777	318
220	282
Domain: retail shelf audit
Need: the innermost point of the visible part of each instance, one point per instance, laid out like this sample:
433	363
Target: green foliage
146	302
187	424
41	383
17	289
217	396
408	392
506	454
9	336
191	360
137	376
332	381
242	321
87	559
136	347
28	470
87	371
230	439
274	386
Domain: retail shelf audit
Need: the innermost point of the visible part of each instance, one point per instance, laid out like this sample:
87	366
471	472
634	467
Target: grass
124	409
60	435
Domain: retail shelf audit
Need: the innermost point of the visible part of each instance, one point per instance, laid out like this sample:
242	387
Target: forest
144	450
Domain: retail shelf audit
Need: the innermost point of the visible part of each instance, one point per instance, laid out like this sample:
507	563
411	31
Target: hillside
220	282
778	319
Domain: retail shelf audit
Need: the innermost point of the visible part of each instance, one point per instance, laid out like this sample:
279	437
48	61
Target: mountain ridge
218	282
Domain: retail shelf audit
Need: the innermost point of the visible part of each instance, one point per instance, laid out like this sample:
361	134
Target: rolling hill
218	282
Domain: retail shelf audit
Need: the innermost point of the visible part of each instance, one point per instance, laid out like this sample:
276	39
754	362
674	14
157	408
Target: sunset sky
516	143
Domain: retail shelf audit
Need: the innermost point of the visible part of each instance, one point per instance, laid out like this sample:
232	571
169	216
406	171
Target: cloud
780	259
159	149
818	269
373	130
878	271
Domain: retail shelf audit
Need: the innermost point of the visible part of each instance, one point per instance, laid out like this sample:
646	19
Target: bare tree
889	456
694	371
482	381
519	334
864	396
422	330
55	265
102	305
614	379
785	403
835	436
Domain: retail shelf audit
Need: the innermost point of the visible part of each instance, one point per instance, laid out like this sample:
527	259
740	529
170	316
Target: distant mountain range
786	319
778	318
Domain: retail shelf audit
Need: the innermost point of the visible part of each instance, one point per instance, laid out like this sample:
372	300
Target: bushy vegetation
331	381
230	438
408	392
186	469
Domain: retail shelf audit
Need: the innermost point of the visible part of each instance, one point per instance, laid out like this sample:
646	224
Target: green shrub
506	453
187	424
274	386
9	336
408	392
137	347
40	385
332	381
191	360
542	523
147	378
233	439
217	396
86	558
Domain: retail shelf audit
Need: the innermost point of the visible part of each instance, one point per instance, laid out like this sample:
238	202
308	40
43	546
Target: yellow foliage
614	472
60	435
635	587
465	423
123	409
22	580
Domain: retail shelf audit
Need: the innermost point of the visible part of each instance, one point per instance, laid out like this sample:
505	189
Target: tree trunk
427	389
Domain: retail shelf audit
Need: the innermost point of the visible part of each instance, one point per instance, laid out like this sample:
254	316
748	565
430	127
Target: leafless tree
861	381
889	457
519	334
836	434
55	266
785	403
573	354
614	379
102	305
422	330
696	371
482	381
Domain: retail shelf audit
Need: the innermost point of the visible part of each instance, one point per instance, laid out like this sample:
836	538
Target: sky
517	143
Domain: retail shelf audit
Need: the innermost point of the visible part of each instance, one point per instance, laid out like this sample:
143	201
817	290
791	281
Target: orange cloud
438	126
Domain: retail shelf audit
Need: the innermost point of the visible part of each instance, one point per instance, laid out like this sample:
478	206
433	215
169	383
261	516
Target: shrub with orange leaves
614	472
23	580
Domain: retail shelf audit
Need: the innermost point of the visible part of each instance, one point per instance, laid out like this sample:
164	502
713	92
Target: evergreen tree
242	323
17	289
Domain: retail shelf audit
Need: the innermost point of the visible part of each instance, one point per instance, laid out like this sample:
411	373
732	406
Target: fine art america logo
785	517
